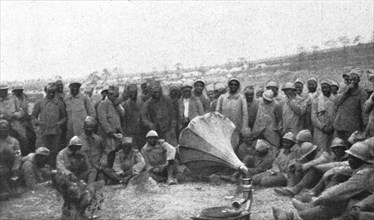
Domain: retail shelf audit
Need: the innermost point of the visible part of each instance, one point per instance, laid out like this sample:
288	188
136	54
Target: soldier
110	113
269	118
322	116
128	162
334	88
293	110
299	85
312	93
273	86
25	131
233	105
199	86
78	107
252	105
10	160
132	124
60	94
34	169
350	116
159	158
74	164
277	174
189	106
49	116
158	114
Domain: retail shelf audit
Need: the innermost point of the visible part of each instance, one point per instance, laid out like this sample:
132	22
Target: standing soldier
190	106
322	116
269	118
49	115
10	112
10	160
293	110
78	107
132	122
158	114
199	87
350	116
274	86
110	113
60	94
21	102
312	93
299	85
233	105
252	105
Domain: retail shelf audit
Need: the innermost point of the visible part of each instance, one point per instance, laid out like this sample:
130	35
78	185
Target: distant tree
94	77
301	51
344	40
330	44
106	74
358	39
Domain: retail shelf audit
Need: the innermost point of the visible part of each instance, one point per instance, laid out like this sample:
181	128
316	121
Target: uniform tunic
158	155
133	162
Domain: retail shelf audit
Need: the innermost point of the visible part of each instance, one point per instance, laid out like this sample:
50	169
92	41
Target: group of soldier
315	145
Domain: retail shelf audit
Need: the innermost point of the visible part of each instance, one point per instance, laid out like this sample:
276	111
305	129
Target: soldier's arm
117	167
62	111
140	162
145	116
299	107
365	116
148	166
36	111
89	107
170	150
60	165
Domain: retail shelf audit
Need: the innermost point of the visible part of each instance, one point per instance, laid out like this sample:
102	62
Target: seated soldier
128	161
363	210
261	161
248	146
295	171
35	169
335	200
303	136
93	148
276	176
71	162
312	174
159	158
10	160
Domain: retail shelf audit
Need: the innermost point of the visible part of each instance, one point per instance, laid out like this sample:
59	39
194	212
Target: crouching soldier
128	161
34	169
10	160
75	164
93	150
277	175
159	157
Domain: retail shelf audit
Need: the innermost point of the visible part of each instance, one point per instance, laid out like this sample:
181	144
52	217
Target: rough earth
152	201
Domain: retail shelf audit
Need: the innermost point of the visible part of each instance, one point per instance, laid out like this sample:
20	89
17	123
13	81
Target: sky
41	39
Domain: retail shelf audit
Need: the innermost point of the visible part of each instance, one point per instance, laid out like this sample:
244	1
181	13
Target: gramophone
205	145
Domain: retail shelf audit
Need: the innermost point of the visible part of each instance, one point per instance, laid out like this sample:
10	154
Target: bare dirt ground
159	202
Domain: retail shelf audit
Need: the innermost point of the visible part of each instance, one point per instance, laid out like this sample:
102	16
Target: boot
306	196
300	206
286	191
282	215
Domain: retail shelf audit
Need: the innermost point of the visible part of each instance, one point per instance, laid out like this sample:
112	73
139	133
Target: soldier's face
199	87
346	79
249	95
113	96
50	93
299	88
152	140
312	86
287	144
233	86
156	93
60	87
354	162
89	129
4	132
18	92
334	89
210	95
3	93
338	151
173	93
326	90
354	80
74	90
186	92
274	89
133	93
289	92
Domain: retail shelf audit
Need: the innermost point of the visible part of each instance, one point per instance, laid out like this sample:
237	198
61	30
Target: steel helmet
338	142
306	149
272	84
268	95
361	151
288	85
289	136
76	141
262	145
304	136
152	133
